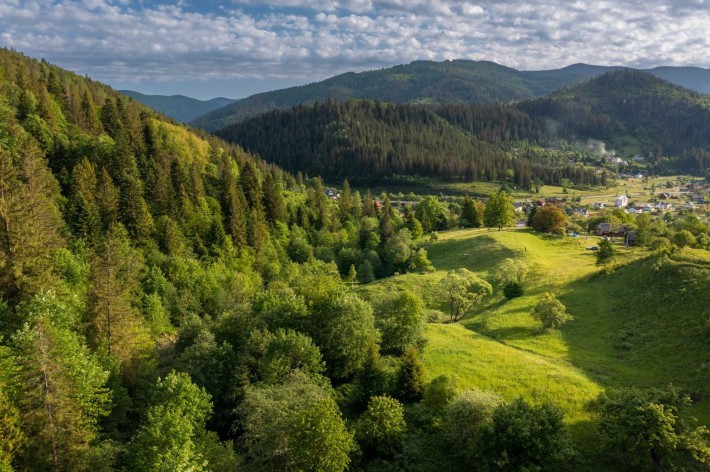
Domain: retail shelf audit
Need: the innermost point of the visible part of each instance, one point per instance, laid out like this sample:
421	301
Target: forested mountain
180	107
632	109
159	287
428	82
369	141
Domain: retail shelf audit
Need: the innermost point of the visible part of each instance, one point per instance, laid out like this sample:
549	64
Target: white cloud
118	41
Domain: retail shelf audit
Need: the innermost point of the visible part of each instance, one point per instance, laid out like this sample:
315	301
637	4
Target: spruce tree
409	385
345	203
107	199
62	393
85	212
115	322
274	206
30	222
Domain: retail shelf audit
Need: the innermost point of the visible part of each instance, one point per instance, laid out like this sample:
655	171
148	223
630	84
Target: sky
205	48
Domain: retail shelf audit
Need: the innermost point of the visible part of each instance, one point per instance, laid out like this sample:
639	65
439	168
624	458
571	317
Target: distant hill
633	110
368	141
180	107
428	82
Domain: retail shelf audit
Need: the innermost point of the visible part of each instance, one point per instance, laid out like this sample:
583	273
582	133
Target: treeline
370	141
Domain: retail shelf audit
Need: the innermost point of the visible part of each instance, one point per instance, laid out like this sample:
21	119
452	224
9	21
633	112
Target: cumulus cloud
124	41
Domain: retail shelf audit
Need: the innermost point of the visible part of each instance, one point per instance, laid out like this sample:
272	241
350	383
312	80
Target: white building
622	201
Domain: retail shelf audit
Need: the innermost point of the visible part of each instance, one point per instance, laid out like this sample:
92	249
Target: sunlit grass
634	326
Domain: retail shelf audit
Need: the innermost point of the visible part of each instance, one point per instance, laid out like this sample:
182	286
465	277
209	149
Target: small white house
622	201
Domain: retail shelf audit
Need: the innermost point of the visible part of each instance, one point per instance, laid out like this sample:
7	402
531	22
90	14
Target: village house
664	205
621	201
605	229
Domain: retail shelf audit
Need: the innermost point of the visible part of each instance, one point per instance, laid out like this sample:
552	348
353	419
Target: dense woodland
370	141
170	302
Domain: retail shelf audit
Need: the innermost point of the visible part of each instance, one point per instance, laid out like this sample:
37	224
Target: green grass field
635	326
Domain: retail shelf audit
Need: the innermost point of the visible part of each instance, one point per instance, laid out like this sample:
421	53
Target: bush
513	291
551	312
381	428
465	415
525	437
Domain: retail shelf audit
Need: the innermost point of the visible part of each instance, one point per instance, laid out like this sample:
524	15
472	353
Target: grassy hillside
634	327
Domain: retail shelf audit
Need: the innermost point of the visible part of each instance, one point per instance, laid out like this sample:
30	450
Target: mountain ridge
430	82
180	107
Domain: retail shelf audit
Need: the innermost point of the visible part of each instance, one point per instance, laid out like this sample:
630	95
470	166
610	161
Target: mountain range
183	109
371	141
428	82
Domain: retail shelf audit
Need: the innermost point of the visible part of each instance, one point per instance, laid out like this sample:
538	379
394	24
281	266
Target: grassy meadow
635	326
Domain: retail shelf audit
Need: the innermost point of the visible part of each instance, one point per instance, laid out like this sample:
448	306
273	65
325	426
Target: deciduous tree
499	211
461	289
551	312
645	429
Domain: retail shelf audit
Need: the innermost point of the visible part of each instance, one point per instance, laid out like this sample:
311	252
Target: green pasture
636	326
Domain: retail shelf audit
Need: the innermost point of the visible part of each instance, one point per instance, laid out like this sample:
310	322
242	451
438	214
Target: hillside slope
632	111
369	142
180	107
635	327
428	82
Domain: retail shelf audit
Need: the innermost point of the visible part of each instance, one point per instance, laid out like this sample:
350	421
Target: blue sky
236	48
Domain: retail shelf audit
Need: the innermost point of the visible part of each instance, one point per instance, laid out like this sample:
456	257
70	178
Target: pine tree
274	206
30	222
111	118
471	217
250	183
85	214
107	199
116	323
258	234
234	202
409	385
368	205
62	387
352	275
345	202
386	223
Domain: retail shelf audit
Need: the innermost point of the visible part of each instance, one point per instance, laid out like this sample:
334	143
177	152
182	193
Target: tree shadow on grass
475	254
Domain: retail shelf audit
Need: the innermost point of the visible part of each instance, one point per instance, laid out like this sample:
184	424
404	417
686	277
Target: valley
356	284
